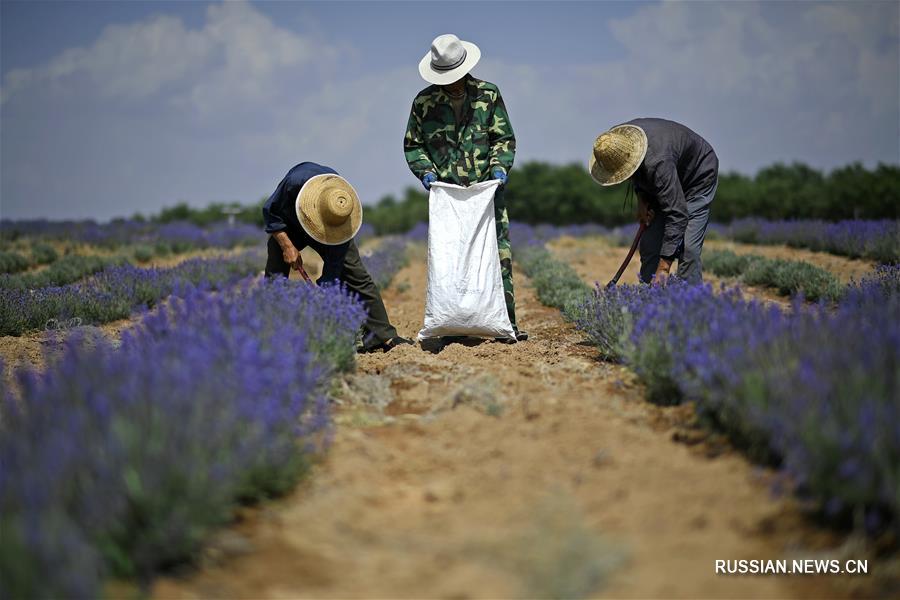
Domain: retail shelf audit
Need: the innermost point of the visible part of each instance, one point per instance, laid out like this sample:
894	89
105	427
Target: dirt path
494	471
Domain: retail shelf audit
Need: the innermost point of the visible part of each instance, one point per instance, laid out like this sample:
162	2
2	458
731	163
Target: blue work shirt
280	210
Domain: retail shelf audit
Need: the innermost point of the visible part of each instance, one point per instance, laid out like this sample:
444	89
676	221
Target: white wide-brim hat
329	209
617	154
449	60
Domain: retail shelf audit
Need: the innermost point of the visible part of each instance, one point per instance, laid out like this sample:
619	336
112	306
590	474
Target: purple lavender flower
121	459
814	389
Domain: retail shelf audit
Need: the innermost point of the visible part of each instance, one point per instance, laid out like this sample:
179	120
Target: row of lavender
115	292
875	240
177	235
813	389
121	460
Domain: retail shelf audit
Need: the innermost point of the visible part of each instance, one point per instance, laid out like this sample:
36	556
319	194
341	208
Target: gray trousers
690	267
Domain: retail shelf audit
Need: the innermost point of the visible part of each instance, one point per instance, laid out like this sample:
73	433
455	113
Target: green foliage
653	360
557	284
12	262
540	192
43	254
788	277
800	192
562	195
67	269
726	263
791	277
144	253
214	213
390	216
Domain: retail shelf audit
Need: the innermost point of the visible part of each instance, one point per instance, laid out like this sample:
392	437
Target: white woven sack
465	290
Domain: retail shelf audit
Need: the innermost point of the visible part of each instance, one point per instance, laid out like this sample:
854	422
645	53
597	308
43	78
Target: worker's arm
645	215
673	208
288	251
501	138
414	146
272	211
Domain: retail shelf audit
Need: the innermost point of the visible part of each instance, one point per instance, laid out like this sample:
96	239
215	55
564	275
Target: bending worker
674	172
459	132
314	206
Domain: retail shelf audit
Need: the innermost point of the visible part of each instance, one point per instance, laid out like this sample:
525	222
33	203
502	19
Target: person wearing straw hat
314	206
674	173
459	132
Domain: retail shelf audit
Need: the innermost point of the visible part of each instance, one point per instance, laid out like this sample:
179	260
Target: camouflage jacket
462	153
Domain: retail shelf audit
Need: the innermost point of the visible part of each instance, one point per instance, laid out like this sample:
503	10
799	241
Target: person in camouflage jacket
477	145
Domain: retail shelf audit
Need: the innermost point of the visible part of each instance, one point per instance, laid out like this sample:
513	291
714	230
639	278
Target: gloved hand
499	175
428	179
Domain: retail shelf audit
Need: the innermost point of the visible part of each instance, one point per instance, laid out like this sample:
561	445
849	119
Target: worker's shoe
520	336
396	341
386	346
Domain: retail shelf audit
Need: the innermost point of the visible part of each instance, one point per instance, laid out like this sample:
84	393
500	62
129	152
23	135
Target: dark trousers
690	267
342	262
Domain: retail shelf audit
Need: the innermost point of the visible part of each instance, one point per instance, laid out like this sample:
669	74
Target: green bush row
67	269
13	261
787	277
540	192
556	283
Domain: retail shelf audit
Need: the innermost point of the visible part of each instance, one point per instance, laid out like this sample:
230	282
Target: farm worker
314	206
459	132
674	172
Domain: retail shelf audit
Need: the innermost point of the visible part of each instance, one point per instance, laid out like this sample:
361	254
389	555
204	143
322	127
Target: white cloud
814	83
221	110
168	112
235	55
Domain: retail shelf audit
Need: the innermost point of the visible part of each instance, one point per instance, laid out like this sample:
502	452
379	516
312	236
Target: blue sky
112	108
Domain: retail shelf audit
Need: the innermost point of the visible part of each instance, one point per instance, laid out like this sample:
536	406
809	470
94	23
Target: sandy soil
481	470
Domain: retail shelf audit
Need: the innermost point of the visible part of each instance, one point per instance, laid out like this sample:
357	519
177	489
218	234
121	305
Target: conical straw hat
329	209
617	154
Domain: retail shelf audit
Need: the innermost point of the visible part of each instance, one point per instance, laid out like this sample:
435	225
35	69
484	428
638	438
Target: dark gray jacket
678	165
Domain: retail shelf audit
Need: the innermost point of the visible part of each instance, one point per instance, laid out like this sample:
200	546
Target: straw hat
329	209
449	60
617	154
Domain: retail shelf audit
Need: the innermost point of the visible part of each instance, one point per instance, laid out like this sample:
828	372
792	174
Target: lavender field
162	401
121	454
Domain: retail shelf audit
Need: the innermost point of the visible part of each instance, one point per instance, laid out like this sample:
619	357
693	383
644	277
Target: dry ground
482	470
485	471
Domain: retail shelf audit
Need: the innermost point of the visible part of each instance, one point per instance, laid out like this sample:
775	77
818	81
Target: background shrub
788	277
43	254
12	262
67	269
